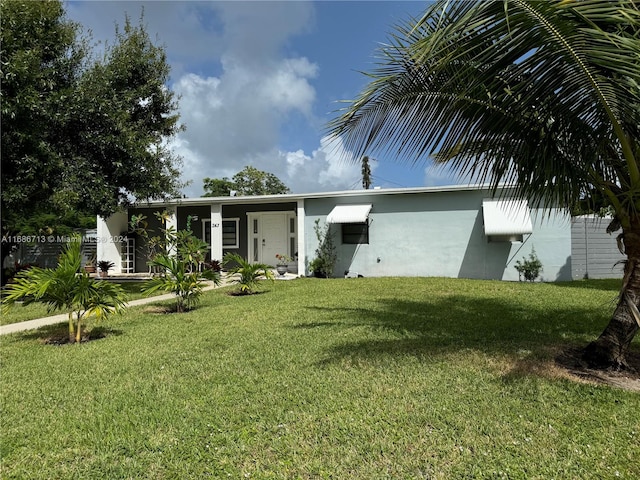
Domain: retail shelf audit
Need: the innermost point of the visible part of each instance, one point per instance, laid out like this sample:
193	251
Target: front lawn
359	378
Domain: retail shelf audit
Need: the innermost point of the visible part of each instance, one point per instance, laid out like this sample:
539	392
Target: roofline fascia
293	197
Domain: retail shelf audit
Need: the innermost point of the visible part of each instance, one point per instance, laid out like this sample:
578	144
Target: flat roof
292	197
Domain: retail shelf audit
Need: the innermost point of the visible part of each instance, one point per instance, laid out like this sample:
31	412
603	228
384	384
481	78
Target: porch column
301	243
172	223
216	231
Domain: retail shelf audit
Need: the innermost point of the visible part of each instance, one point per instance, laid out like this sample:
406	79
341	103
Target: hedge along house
457	231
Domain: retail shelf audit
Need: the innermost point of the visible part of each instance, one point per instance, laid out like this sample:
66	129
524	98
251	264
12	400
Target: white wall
108	235
439	234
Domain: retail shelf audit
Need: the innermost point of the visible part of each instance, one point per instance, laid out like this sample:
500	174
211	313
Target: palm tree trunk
610	349
72	335
78	329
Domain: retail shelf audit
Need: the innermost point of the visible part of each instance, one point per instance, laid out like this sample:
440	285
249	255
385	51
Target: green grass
360	378
21	312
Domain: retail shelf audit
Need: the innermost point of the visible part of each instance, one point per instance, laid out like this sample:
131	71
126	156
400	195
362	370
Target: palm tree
246	274
67	287
180	278
542	95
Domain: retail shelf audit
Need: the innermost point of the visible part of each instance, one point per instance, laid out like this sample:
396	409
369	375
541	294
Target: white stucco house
455	231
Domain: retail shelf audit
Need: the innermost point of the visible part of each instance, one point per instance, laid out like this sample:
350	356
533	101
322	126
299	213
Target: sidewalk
43	322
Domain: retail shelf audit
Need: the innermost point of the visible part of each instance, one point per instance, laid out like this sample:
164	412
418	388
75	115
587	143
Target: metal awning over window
506	218
349	214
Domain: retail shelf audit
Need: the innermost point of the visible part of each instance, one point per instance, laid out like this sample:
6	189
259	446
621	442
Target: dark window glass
229	233
354	233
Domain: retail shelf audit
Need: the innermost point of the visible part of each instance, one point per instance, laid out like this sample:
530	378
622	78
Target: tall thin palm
541	95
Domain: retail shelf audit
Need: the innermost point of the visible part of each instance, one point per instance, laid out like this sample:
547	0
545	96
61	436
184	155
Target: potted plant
282	266
105	266
316	267
90	266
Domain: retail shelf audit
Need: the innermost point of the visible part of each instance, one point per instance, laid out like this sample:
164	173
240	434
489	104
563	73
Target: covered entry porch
256	231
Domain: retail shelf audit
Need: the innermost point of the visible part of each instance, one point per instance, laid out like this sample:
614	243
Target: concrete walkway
43	322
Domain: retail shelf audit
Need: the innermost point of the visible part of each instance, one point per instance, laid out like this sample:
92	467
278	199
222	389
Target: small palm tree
67	287
179	278
250	274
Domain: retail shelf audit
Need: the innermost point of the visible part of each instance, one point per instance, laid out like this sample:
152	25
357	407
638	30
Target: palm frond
543	95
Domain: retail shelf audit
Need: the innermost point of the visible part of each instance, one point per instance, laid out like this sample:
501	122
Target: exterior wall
438	234
216	233
301	228
197	213
595	253
108	233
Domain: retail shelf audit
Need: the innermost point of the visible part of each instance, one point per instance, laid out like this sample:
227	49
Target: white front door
271	233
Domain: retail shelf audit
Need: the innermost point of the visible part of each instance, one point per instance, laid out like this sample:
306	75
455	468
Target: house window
206	231
230	233
355	233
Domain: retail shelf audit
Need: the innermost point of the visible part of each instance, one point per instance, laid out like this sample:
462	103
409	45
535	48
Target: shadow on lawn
607	284
58	334
442	326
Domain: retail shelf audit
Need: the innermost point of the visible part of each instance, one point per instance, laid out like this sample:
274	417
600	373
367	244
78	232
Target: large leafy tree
543	95
218	187
80	135
116	129
41	60
248	181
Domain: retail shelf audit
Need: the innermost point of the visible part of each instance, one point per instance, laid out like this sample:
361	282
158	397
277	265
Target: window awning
506	217
349	214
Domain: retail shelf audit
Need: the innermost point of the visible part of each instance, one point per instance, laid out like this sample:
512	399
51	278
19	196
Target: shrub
326	253
529	268
105	265
178	278
177	255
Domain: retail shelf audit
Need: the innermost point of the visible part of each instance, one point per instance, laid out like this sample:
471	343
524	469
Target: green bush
178	255
326	253
529	268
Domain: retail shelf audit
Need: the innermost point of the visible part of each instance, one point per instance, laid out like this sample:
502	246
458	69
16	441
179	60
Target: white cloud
234	120
330	167
240	87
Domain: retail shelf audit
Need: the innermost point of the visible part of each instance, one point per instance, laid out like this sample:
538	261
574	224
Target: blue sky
259	81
